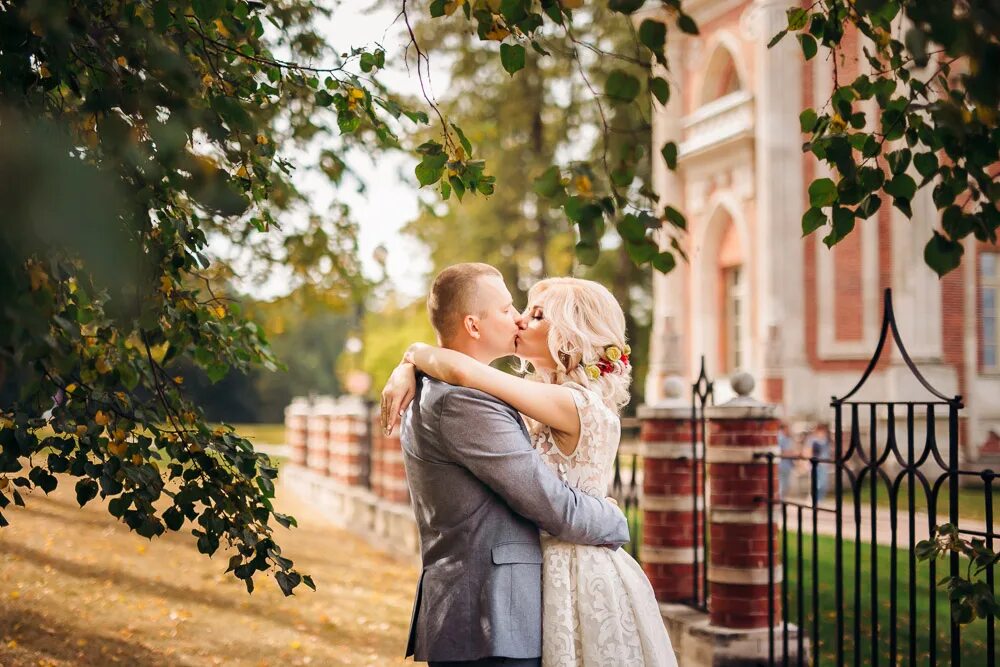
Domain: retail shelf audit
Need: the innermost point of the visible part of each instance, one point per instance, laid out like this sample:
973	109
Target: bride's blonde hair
584	319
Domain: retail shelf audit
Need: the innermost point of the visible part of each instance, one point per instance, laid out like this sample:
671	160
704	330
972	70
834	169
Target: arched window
733	301
721	76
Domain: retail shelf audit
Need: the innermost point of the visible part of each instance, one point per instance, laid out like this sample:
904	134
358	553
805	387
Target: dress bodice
590	467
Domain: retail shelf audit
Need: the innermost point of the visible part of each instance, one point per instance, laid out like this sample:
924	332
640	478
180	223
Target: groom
481	492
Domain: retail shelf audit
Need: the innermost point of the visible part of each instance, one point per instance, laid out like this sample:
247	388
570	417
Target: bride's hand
397	394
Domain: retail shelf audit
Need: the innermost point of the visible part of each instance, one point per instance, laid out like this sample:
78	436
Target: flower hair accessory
608	363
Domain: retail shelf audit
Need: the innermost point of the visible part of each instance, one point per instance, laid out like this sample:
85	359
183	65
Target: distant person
819	447
786	448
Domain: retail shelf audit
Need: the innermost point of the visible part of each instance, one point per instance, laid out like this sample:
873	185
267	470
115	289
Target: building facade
757	296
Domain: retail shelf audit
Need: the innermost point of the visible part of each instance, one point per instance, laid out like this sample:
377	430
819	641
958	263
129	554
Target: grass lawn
973	641
971	501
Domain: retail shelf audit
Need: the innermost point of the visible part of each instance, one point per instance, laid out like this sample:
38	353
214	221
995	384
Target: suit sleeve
487	438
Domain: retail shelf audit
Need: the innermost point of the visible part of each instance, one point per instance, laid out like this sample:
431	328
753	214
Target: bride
598	606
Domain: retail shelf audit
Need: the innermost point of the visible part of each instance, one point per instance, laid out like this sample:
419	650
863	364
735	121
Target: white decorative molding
716	124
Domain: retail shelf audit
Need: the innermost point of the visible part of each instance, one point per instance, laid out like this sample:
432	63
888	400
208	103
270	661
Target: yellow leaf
220	26
242	172
178	379
450	7
357	94
208	80
37	276
101	419
583	184
136	459
4	483
102	365
262	140
497	34
220	311
122	61
44	72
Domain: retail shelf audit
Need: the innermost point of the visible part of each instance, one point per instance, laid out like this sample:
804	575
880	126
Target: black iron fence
702	393
851	583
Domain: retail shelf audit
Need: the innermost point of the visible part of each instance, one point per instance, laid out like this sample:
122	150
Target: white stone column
669	320
779	287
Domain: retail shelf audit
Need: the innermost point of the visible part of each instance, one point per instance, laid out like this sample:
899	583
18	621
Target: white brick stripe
741	575
681	503
679	555
744	516
667	449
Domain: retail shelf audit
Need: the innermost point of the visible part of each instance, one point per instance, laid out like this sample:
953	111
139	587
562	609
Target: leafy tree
936	85
136	134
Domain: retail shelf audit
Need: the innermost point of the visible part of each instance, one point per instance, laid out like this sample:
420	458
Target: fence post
740	435
670	497
318	434
296	429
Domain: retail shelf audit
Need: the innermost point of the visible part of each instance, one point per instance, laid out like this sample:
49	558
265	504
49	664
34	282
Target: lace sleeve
600	428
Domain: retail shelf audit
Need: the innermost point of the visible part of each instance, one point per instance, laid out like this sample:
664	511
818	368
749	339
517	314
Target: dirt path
77	588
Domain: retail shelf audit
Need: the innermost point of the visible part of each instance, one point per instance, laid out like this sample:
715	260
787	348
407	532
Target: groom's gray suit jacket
480	492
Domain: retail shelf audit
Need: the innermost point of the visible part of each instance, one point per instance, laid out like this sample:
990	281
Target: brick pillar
296	429
318	434
671	490
347	430
739	432
389	482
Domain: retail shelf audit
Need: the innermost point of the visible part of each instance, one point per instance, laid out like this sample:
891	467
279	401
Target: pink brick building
755	295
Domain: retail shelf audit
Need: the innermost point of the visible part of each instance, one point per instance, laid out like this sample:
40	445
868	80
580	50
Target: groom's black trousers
491	662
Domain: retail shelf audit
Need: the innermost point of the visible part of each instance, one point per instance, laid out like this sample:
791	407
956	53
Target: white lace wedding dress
598	606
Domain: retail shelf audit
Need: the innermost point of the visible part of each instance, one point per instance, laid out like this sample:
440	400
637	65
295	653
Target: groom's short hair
453	296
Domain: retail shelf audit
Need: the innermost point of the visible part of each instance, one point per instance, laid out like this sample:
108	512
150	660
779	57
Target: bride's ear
471	325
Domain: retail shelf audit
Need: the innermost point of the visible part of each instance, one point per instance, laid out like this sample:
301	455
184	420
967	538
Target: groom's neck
470	348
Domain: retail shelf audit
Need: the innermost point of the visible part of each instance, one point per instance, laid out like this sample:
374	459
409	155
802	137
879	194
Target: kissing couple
508	475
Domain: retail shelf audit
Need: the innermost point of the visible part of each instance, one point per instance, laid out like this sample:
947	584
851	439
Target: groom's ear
471	325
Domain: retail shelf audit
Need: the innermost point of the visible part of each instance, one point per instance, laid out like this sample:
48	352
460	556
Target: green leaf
630	229
660	89
777	38
625	6
514	11
86	490
797	18
642	251
669	153
621	86
458	186
653	35
809	47
437	8
675	217
664	262
162	19
807	120
901	185
208	10
429	170
549	184
822	192
587	253
687	25
926	164
464	141
512	57
812	219
942	254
